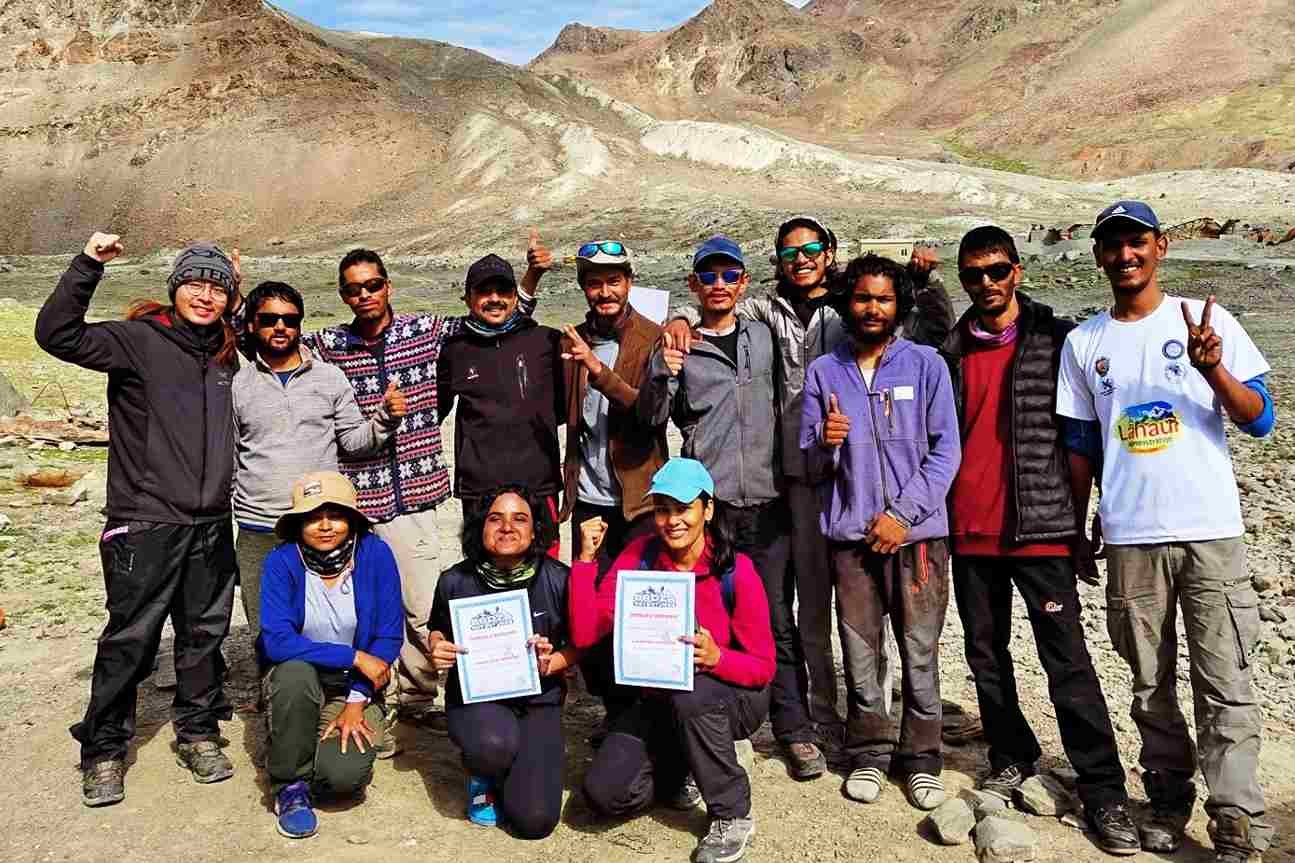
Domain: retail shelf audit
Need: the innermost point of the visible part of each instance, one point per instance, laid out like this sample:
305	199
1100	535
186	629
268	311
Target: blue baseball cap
1130	211
718	246
683	479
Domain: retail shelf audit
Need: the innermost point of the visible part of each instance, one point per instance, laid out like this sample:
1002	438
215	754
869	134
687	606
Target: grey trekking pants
415	543
1146	584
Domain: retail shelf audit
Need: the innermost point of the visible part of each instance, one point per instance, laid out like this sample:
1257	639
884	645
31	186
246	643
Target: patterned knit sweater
410	474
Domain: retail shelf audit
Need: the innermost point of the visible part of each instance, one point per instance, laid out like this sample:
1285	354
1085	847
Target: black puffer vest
1042	507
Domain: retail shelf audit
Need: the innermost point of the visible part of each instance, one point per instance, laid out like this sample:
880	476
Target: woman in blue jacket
331	625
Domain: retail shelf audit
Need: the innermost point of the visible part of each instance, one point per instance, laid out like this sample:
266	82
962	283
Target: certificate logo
654	597
486	619
1149	428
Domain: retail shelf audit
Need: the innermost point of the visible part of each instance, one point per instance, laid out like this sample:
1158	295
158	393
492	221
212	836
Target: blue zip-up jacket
903	449
379	614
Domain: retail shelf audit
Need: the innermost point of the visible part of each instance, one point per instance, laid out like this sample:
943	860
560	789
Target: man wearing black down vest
1014	521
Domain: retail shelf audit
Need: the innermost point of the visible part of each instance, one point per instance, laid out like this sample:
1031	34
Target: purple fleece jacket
903	449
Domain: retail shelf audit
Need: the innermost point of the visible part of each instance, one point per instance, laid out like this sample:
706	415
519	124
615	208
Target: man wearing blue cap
724	397
1153	378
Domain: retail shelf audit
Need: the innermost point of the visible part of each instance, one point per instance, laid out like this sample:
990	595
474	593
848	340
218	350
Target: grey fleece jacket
284	432
728	414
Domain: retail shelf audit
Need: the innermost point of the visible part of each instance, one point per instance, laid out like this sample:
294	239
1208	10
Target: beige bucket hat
313	491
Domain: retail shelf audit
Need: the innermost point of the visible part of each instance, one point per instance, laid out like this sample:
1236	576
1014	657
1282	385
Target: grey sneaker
725	841
206	760
104	783
864	784
1003	782
1172	801
687	797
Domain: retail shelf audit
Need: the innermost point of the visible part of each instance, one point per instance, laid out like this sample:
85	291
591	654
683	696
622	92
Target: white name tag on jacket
902	394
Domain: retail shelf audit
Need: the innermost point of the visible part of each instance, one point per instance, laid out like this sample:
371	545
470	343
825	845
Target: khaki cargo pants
1146	585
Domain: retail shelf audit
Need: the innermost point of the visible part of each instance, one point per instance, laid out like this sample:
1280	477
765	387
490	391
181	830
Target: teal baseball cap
683	479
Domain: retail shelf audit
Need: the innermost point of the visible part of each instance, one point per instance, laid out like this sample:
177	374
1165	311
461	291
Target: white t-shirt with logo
1167	473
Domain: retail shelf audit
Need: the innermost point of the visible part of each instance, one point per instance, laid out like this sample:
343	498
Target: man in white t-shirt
1153	379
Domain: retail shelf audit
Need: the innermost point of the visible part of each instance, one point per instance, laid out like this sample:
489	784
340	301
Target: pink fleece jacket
745	639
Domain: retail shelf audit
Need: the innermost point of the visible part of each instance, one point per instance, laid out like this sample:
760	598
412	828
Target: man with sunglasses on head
400	488
1014	521
800	314
724	398
293	415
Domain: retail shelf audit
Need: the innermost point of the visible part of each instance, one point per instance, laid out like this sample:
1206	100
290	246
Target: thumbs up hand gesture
394	401
837	425
539	260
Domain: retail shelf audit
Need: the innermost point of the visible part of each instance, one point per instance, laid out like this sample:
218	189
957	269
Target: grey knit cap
202	262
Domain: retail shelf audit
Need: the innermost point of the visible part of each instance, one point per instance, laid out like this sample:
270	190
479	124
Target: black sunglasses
975	275
351	290
265	320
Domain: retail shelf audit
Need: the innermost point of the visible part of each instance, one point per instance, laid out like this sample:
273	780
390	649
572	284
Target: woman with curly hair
512	749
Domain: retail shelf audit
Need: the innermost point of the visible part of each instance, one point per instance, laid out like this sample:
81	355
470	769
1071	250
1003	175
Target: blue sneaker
296	819
481	802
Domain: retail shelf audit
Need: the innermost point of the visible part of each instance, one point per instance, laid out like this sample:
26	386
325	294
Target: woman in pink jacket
654	745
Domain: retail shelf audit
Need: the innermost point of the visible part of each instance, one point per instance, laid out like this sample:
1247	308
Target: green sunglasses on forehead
809	250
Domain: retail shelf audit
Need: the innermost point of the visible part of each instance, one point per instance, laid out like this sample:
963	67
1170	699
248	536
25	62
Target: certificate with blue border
653	609
499	663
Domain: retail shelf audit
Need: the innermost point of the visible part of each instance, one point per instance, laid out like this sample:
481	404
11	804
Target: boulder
1002	840
952	821
1044	795
984	804
12	402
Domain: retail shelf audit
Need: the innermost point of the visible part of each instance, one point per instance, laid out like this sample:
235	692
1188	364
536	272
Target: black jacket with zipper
170	410
1041	506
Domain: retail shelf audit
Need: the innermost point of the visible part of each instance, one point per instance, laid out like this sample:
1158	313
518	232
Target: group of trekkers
844	440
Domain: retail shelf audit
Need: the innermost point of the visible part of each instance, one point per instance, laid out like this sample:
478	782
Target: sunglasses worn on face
610	247
265	320
975	275
731	277
351	290
809	250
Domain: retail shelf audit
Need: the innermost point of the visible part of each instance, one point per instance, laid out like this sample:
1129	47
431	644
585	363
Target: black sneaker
804	760
103	784
206	760
1003	782
1114	830
687	797
725	841
1172	800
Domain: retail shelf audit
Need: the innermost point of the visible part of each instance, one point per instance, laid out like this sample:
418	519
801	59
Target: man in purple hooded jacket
881	429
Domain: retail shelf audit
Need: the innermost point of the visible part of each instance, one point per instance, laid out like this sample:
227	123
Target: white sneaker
926	791
865	784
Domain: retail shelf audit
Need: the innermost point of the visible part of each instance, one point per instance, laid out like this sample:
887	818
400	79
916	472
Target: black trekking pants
153	570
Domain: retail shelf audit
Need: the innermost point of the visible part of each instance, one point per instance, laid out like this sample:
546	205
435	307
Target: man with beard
505	370
806	325
293	415
1014	521
880	422
723	397
1155	375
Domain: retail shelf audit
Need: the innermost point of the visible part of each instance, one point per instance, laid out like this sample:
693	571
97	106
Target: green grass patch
987	159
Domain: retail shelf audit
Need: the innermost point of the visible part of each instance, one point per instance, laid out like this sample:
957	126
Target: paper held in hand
653	609
495	630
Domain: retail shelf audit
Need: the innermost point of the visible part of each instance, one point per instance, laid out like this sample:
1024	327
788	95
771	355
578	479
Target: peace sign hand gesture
1204	346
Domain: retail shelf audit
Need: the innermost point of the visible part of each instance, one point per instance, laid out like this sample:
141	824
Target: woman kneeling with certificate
653	746
499	626
331	625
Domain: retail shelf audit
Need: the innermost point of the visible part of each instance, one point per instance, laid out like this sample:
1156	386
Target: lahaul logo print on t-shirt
1148	428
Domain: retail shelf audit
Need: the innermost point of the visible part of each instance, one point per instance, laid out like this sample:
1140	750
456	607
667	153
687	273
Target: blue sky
510	30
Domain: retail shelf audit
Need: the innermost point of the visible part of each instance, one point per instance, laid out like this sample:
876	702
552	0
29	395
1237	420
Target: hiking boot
103	784
481	802
725	841
1001	783
1114	830
1172	800
1231	837
687	797
925	791
804	760
294	817
206	760
864	784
